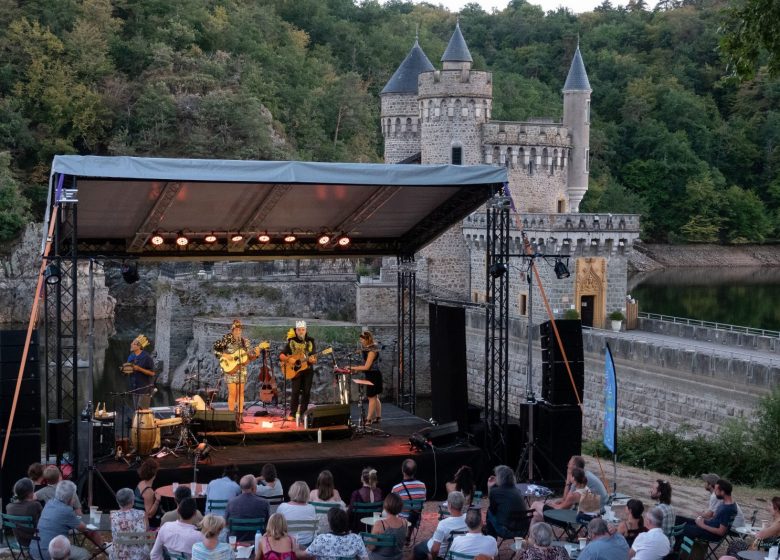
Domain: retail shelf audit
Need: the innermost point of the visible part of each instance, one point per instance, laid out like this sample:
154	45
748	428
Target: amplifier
215	420
328	415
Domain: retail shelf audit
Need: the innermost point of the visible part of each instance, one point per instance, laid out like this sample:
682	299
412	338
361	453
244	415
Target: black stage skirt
374	377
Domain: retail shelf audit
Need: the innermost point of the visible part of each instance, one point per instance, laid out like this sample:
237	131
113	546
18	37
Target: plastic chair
20	524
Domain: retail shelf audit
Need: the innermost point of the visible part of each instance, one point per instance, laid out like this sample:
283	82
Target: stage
297	455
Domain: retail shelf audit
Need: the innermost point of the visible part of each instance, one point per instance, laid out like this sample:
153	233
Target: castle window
408	125
544	158
562	209
496	155
523	304
457	155
532	161
509	162
587	161
587	112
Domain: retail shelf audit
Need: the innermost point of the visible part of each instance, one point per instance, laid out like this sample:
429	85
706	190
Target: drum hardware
362	428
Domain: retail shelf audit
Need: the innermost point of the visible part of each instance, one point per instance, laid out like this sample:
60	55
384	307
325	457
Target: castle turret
456	56
576	117
400	112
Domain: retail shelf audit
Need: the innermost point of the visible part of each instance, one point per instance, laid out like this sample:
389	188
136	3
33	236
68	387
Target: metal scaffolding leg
407	332
497	328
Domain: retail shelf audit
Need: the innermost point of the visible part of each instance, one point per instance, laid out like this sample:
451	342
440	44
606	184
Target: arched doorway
591	289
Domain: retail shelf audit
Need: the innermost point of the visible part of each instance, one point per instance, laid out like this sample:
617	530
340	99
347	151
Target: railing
709	324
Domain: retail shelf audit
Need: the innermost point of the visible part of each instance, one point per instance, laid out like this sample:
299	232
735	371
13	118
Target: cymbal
362	382
184	400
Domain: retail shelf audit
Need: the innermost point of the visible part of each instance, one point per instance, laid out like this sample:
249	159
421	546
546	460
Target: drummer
142	378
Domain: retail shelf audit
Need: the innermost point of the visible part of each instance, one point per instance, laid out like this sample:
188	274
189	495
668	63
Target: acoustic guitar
297	363
230	361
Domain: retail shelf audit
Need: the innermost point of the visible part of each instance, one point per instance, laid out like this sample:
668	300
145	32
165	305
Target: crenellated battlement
455	83
526	134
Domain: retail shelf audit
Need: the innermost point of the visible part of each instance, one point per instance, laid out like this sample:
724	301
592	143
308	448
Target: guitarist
230	344
300	348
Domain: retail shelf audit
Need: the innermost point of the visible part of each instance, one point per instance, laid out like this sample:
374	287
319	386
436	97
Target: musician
300	347
142	376
229	345
370	352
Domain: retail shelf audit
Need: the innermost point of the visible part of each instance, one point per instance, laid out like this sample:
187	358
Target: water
745	296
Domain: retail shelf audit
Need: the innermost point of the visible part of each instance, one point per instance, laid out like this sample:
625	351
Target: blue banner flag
610	402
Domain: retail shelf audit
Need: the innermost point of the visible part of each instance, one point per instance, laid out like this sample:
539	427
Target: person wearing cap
710	480
300	348
142	378
230	345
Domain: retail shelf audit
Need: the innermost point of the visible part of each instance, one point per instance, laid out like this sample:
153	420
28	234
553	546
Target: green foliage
571	314
13	206
752	36
617	315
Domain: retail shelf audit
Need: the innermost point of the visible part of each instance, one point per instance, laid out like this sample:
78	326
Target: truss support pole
407	333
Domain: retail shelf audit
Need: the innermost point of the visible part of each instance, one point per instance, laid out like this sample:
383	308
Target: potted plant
617	319
571	314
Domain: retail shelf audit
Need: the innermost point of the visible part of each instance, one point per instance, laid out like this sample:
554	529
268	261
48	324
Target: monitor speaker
435	435
327	415
556	384
215	420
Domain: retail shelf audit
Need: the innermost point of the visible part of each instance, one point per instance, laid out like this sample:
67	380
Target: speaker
558	436
215	420
102	438
449	387
327	415
556	383
28	408
24	448
436	435
57	437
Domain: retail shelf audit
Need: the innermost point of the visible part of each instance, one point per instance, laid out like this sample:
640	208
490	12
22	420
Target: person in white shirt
299	509
179	535
270	487
474	542
437	545
654	544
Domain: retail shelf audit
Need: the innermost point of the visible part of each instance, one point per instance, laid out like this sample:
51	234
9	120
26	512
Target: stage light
202	450
497	270
290	238
561	270
182	240
323	239
264	237
344	241
130	272
210	238
157	239
236	237
52	274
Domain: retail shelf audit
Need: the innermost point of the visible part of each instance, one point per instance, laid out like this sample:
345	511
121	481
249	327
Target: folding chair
459	556
517	525
303	526
216	506
242	527
322	509
20	525
476	501
444	511
410	506
689	550
384	540
173	555
359	510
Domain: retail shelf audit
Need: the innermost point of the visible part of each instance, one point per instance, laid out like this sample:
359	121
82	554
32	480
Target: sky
576	6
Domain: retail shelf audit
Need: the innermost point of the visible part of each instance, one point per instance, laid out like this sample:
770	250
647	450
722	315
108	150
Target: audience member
52	476
223	488
474	542
270	487
182	491
710	479
579	495
410	489
718	525
339	543
602	545
24	504
247	505
390	524
507	511
299	509
58	518
436	546
325	492
144	491
367	493
35	473
540	537
594	482
653	544
210	548
463	481
769	533
180	535
276	543
634	522
59	548
662	492
127	520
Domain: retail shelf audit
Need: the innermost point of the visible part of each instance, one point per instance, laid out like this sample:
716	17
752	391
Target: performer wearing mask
234	354
297	359
141	366
371	369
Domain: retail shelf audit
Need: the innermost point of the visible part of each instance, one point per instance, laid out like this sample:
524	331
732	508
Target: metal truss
407	333
497	327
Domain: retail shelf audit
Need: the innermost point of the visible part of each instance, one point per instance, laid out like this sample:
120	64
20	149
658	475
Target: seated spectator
299	509
35	473
339	543
769	533
634	522
180	535
247	505
223	488
276	543
662	492
182	491
594	482
653	544
145	493
24	504
127	520
390	524
540	537
270	487
587	502
713	501
506	513
325	492
463	481
367	493
58	518
437	545
410	489
210	548
602	545
474	542
718	526
52	476
59	548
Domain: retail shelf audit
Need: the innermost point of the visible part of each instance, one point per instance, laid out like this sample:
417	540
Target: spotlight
210	238
264	237
157	240
497	270
202	450
561	270
290	238
323	239
236	237
344	241
182	240
130	272
52	274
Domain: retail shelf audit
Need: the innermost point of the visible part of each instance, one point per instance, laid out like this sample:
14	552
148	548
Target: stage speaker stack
215	420
435	435
556	384
24	446
449	388
327	415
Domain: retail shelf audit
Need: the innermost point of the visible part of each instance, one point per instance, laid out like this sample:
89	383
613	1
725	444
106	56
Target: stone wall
400	126
733	340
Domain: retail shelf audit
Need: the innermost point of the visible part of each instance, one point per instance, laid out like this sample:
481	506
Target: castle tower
576	116
400	114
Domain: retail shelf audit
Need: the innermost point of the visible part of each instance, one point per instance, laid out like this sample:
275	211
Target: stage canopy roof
124	202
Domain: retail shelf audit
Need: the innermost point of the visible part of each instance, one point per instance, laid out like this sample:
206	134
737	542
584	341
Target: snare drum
144	435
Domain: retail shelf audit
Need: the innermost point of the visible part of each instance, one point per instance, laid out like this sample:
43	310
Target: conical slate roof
457	51
577	80
404	80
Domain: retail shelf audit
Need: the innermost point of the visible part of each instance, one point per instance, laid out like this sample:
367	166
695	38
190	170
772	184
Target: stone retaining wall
733	340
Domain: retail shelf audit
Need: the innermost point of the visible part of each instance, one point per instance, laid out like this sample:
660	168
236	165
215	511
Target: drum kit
145	434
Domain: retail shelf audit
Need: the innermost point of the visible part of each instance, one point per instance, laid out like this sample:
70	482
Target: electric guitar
231	361
297	363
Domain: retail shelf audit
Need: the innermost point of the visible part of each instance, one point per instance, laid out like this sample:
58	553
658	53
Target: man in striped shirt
410	489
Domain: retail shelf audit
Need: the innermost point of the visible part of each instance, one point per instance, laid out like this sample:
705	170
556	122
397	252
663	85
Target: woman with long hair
146	494
210	548
463	482
277	543
325	493
634	522
370	367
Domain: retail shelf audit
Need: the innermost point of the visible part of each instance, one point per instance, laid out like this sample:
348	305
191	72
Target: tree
13	206
752	36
